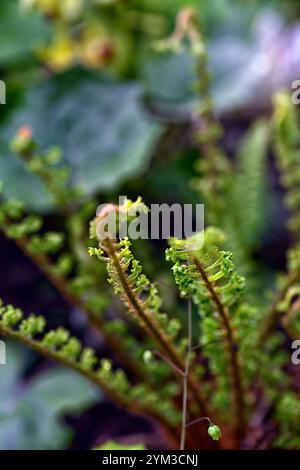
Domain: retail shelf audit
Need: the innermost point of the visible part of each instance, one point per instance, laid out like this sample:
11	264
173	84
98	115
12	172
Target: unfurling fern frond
288	416
142	301
206	274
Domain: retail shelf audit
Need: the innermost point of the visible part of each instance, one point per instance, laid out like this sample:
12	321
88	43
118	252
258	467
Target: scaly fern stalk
186	373
59	346
207	275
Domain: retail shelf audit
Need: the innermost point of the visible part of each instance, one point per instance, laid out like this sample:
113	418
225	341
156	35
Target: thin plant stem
185	378
167	361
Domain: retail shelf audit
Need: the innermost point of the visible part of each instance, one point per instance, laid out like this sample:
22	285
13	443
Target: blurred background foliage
86	77
85	73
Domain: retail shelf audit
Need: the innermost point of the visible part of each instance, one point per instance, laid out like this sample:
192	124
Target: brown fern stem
238	393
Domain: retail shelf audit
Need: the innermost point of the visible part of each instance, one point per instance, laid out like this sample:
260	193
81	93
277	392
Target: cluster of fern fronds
225	361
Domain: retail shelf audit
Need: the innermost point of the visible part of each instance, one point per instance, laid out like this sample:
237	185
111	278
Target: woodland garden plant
213	370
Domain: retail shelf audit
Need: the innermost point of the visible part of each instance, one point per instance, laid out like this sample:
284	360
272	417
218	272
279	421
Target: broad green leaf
20	32
100	124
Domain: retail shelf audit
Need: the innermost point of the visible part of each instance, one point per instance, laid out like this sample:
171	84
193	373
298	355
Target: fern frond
60	346
75	289
47	166
286	131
